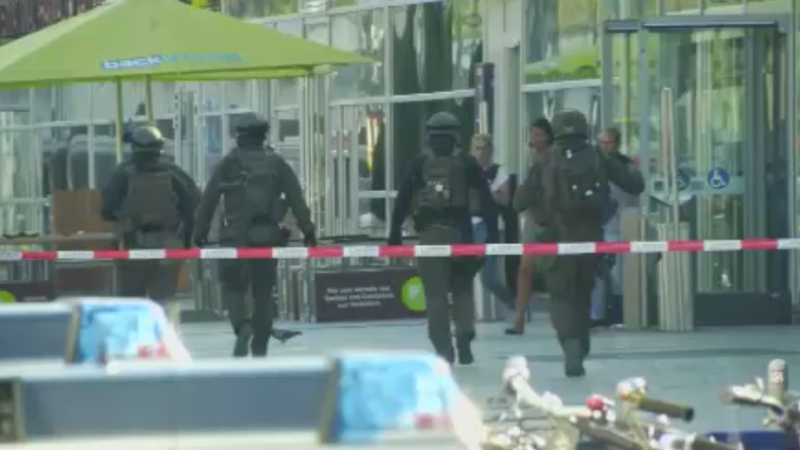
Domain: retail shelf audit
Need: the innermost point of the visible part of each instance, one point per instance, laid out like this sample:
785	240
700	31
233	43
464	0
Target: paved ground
689	367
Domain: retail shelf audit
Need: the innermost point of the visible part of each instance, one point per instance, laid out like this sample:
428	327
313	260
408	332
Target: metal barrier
295	292
41	280
675	299
297	295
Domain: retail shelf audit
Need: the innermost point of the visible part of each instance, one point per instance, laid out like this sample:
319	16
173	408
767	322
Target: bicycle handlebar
749	395
666	408
547	403
605	435
633	391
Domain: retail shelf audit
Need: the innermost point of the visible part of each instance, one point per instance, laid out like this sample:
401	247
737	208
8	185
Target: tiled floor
690	367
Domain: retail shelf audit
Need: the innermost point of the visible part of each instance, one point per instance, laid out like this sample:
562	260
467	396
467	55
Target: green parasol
161	40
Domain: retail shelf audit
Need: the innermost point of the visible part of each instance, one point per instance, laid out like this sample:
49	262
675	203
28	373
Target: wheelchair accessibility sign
718	178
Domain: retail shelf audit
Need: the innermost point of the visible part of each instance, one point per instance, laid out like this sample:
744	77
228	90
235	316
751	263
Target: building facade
702	91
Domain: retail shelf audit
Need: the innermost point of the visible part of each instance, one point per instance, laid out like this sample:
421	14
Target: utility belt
151	237
259	230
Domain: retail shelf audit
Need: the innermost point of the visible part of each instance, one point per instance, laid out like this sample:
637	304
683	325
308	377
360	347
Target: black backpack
576	190
151	202
444	182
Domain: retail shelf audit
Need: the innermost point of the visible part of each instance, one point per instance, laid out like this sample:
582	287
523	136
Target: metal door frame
641	27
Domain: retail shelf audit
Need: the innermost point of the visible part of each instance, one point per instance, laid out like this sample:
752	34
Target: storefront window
317	30
250	9
767	6
362	33
673	6
286	89
562	40
408	122
436	45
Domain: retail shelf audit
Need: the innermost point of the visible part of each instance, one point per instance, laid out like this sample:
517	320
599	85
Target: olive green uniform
444	189
130	195
569	279
243	227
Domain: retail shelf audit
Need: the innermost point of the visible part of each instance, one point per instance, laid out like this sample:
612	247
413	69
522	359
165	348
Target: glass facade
730	91
698	92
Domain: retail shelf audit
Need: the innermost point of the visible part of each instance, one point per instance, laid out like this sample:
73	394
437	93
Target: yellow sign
6	297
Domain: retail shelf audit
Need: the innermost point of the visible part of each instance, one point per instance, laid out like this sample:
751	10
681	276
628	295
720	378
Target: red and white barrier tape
407	251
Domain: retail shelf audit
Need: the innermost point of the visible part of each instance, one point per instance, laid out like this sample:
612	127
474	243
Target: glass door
712	138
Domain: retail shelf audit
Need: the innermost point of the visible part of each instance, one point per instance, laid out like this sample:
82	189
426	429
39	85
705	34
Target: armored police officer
445	188
152	201
255	187
570	200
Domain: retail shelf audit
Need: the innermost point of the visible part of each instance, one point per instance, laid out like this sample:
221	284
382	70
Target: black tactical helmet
146	139
570	123
443	123
251	124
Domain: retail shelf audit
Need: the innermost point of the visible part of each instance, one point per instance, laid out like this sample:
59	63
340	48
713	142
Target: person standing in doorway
498	179
607	286
540	137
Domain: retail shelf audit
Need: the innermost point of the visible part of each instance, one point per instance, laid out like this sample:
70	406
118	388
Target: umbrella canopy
159	40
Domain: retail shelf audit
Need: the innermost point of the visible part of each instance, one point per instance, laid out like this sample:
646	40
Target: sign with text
383	294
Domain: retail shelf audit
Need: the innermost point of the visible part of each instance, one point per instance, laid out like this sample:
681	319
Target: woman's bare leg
524	289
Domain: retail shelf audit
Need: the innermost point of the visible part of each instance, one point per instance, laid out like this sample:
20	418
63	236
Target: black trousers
443	279
569	283
240	278
157	280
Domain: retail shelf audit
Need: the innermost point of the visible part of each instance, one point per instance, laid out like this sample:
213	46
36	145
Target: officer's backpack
151	203
260	185
444	182
575	188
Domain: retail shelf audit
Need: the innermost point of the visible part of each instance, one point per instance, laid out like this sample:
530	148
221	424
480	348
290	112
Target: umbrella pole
148	98
118	119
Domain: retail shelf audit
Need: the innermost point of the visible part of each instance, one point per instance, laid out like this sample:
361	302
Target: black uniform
445	188
570	196
255	187
152	201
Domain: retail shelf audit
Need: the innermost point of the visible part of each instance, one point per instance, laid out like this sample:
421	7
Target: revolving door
702	102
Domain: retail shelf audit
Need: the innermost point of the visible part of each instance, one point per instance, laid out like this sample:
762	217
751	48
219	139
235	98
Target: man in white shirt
498	179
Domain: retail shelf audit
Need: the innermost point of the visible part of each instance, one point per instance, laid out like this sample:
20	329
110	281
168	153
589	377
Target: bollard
675	296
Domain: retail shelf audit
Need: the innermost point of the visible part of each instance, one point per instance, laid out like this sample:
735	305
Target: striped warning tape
408	251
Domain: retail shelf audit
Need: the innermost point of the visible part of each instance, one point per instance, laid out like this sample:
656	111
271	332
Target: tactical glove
309	239
395	239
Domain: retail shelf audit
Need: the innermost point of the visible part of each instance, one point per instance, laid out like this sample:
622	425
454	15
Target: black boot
447	354
444	349
243	337
464	347
260	342
573	358
586	344
259	346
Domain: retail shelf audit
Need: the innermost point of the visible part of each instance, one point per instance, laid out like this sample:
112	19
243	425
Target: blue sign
718	178
378	393
119	329
157	60
682	180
